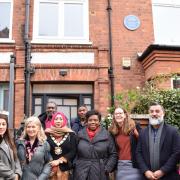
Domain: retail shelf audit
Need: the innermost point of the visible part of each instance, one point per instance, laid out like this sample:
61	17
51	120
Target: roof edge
153	47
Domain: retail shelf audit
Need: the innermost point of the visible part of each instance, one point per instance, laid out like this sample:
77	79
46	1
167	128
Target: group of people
50	148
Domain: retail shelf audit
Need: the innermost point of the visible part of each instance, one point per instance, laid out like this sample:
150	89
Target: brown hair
127	127
7	137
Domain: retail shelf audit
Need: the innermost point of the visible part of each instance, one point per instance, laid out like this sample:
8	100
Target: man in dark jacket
158	147
46	117
78	123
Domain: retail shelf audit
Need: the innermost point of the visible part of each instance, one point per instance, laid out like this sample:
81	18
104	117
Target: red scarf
91	134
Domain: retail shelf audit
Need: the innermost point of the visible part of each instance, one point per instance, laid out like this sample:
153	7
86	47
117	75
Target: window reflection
5	8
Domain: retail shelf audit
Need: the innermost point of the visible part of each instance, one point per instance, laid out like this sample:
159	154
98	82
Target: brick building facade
78	49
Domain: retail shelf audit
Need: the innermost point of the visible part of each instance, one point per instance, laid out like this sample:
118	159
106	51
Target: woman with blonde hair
9	163
34	151
126	134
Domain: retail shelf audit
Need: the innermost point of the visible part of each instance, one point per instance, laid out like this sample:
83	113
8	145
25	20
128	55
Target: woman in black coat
96	152
62	141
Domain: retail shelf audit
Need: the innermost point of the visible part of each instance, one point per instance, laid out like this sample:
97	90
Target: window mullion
61	21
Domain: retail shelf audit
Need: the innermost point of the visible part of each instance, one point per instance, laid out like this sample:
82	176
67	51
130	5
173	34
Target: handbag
57	174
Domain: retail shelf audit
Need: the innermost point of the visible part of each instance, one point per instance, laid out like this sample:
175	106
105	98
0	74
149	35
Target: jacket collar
22	142
5	147
101	135
163	135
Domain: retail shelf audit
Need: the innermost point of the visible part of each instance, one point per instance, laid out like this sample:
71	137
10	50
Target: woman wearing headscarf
96	152
34	151
9	164
126	134
62	141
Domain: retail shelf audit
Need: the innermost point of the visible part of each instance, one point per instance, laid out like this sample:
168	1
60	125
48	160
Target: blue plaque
131	22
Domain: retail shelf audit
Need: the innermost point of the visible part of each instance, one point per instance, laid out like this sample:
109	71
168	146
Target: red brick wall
161	62
125	44
128	43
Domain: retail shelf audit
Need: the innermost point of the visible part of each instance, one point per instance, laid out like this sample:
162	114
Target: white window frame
60	39
3	87
172	86
8	40
164	3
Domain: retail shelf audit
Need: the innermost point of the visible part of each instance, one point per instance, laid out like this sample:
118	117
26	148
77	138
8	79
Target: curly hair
41	135
93	112
127	126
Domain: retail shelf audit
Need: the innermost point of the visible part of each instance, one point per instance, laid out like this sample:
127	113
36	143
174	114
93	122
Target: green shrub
137	100
169	99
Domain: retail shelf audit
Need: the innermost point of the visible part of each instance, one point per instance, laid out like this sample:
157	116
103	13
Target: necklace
58	149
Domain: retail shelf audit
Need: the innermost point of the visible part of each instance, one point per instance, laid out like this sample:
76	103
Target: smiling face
93	122
3	126
58	121
32	130
119	116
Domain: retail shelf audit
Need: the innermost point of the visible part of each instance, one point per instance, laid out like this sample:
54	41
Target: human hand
63	159
158	174
55	162
150	175
53	171
16	177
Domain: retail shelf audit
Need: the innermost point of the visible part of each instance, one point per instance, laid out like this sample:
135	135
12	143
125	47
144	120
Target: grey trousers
125	171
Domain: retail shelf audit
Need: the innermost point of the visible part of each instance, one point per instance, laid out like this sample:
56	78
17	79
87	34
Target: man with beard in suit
158	147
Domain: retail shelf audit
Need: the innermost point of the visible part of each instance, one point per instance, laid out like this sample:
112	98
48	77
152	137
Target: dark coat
68	150
169	148
96	158
8	166
76	125
38	168
42	117
133	142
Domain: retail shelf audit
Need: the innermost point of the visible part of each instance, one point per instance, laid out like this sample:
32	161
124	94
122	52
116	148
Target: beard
50	115
156	121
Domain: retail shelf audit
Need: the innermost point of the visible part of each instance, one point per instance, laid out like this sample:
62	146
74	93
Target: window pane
89	108
176	84
6	98
57	101
73	20
5	8
65	110
37	110
48	19
87	100
70	102
73	112
166	28
38	101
